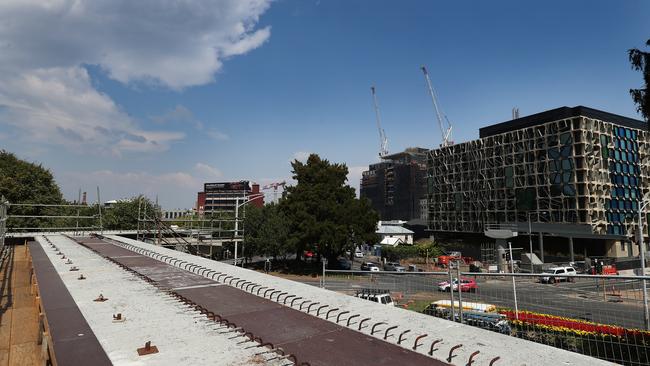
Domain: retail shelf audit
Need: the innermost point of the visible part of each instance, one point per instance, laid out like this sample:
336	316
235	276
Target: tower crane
383	141
443	122
275	186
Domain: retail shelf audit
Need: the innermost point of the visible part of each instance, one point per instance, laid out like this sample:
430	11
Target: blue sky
158	104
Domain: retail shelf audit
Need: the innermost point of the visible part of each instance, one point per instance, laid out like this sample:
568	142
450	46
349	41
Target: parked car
466	285
358	254
370	266
341	264
394	267
376	295
557	274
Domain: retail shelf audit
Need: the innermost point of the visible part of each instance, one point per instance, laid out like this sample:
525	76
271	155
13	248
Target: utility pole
99	208
514	286
646	317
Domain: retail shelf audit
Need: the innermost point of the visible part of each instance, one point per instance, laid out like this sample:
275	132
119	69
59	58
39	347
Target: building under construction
396	185
574	173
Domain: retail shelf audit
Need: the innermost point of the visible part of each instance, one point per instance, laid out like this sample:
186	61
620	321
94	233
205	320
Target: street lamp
642	206
530	241
248	199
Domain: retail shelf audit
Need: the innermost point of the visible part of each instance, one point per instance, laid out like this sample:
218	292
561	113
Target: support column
541	247
573	259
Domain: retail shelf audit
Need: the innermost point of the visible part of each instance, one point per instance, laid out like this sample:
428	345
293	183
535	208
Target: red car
466	285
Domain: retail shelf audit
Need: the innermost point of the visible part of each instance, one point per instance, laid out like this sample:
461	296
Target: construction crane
383	141
443	122
275	186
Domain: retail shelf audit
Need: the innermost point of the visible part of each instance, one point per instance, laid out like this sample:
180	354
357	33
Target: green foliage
641	62
322	211
124	214
400	252
24	182
266	231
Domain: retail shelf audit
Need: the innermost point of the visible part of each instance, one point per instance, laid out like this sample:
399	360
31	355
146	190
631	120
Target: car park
558	274
466	285
394	267
370	266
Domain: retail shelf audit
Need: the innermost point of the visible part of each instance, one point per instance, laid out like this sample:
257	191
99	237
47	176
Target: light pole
247	199
530	242
646	318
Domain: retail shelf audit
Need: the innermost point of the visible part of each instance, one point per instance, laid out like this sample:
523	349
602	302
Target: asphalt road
583	299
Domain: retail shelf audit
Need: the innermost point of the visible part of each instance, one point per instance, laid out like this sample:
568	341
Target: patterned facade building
572	167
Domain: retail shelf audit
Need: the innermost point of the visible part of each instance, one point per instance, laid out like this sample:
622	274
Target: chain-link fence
600	316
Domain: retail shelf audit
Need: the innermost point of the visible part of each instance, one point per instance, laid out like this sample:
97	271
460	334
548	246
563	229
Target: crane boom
383	140
445	128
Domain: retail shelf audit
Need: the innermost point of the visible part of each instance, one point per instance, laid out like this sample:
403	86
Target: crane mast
383	141
445	128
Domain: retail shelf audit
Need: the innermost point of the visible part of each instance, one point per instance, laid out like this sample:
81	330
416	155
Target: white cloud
217	135
46	92
180	114
173	43
301	156
207	171
354	176
59	106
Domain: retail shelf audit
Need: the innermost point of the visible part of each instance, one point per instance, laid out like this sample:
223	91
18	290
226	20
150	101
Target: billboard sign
227	186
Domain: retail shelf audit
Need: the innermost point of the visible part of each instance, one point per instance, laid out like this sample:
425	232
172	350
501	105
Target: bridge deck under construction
308	338
139	303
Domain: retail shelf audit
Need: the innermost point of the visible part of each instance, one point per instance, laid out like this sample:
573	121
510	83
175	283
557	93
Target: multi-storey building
396	185
225	196
573	172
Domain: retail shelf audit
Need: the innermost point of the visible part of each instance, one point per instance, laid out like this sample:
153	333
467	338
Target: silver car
394	267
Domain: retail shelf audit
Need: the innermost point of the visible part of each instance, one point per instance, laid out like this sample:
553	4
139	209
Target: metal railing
600	316
3	222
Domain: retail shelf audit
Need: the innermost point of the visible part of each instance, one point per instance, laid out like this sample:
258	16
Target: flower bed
576	326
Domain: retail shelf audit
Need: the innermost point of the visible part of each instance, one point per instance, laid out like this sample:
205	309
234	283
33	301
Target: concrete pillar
541	247
571	249
501	253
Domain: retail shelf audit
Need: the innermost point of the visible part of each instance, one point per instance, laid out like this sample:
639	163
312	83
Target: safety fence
601	316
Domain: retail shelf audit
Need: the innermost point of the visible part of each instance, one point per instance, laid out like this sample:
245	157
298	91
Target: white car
358	254
563	274
377	296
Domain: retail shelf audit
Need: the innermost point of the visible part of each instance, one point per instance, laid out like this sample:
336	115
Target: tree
322	211
266	231
25	182
124	213
641	62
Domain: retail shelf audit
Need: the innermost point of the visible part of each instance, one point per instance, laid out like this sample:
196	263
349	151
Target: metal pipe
388	330
451	351
372	331
399	340
339	315
417	339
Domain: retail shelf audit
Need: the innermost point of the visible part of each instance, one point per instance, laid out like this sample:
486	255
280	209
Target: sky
157	97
